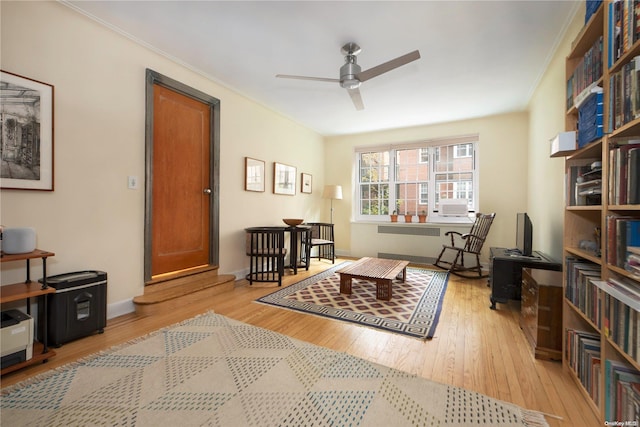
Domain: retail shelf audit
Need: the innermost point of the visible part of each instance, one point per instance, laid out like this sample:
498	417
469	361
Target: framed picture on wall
26	137
305	185
284	179
253	174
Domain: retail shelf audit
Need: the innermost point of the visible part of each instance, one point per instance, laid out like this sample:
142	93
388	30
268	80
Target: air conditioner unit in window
454	207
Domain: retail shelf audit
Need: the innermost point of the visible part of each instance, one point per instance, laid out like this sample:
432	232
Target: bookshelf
601	286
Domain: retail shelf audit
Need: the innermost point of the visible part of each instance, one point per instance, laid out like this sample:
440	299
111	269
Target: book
621	233
586	74
624	172
633	264
633	173
635	85
582	351
610	235
633	260
624	103
633	235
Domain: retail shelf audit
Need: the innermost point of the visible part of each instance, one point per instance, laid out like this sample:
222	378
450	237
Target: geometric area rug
215	371
413	310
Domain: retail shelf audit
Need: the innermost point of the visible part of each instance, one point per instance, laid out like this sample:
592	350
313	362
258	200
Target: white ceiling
478	57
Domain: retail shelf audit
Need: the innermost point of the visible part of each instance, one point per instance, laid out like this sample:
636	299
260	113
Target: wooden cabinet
25	291
541	312
589	350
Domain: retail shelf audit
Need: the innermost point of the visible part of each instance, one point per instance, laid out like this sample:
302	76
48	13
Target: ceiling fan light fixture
348	75
350	83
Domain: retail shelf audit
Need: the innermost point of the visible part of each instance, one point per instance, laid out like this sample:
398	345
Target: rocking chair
469	243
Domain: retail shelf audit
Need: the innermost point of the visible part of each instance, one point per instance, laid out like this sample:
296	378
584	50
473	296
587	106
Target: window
374	183
413	178
462	150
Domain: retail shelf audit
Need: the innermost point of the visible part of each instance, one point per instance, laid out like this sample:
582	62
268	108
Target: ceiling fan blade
388	66
356	98
319	79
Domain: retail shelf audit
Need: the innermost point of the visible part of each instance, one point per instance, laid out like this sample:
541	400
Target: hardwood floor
474	347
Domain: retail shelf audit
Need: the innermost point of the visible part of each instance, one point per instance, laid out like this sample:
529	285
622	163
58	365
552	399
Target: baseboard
120	308
414	259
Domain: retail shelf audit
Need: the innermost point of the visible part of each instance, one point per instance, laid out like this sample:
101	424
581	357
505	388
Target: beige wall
546	175
91	220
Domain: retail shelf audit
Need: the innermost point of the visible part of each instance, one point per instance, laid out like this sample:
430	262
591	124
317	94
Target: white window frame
433	145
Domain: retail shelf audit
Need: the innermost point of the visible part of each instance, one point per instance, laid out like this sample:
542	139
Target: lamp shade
332	192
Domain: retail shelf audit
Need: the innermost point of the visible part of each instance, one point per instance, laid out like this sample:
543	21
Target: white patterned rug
413	310
215	371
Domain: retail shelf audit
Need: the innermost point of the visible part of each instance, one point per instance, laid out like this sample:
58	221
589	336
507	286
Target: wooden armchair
322	238
468	243
265	247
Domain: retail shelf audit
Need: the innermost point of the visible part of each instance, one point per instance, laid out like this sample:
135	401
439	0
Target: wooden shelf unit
25	291
581	221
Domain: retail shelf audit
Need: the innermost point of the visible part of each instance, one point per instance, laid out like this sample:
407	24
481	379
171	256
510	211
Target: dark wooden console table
505	272
541	312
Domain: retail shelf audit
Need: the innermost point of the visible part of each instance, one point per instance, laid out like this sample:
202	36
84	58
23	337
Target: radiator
420	244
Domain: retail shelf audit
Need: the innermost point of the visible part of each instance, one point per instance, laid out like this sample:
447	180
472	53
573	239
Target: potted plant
394	216
422	216
407	217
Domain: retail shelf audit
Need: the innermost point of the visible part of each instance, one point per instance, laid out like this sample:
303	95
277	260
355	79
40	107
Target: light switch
132	182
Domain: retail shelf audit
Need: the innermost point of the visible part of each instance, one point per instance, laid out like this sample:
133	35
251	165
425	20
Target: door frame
153	77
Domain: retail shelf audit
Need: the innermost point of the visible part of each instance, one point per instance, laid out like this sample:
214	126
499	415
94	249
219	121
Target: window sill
430	221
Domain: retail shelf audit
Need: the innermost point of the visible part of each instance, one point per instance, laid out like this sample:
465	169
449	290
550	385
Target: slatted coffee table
381	271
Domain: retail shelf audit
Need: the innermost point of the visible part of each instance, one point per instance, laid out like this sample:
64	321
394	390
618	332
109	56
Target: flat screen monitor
524	234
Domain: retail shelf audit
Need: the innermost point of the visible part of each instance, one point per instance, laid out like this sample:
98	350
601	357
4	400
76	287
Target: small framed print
253	174
26	133
284	179
305	186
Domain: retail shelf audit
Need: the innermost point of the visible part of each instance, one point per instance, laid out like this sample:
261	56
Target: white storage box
563	144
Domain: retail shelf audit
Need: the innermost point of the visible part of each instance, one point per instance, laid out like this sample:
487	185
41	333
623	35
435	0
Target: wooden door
181	213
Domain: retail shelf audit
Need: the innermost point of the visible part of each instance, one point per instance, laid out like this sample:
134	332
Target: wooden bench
380	271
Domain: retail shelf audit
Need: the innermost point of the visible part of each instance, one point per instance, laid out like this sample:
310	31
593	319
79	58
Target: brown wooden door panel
181	174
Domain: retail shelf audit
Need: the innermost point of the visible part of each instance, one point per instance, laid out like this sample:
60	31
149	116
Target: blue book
611	35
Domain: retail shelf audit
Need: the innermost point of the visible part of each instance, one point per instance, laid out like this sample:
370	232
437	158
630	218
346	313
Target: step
191	289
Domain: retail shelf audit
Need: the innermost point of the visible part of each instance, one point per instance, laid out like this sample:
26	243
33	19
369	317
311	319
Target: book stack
583	356
624	27
591	8
623	234
622	392
581	290
621	320
590	118
624	172
586	75
624	90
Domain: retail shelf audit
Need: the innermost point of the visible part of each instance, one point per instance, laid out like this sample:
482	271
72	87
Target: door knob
207	191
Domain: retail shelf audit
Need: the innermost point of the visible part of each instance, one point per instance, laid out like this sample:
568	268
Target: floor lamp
332	192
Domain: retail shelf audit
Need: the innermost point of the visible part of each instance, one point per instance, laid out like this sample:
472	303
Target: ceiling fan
350	75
